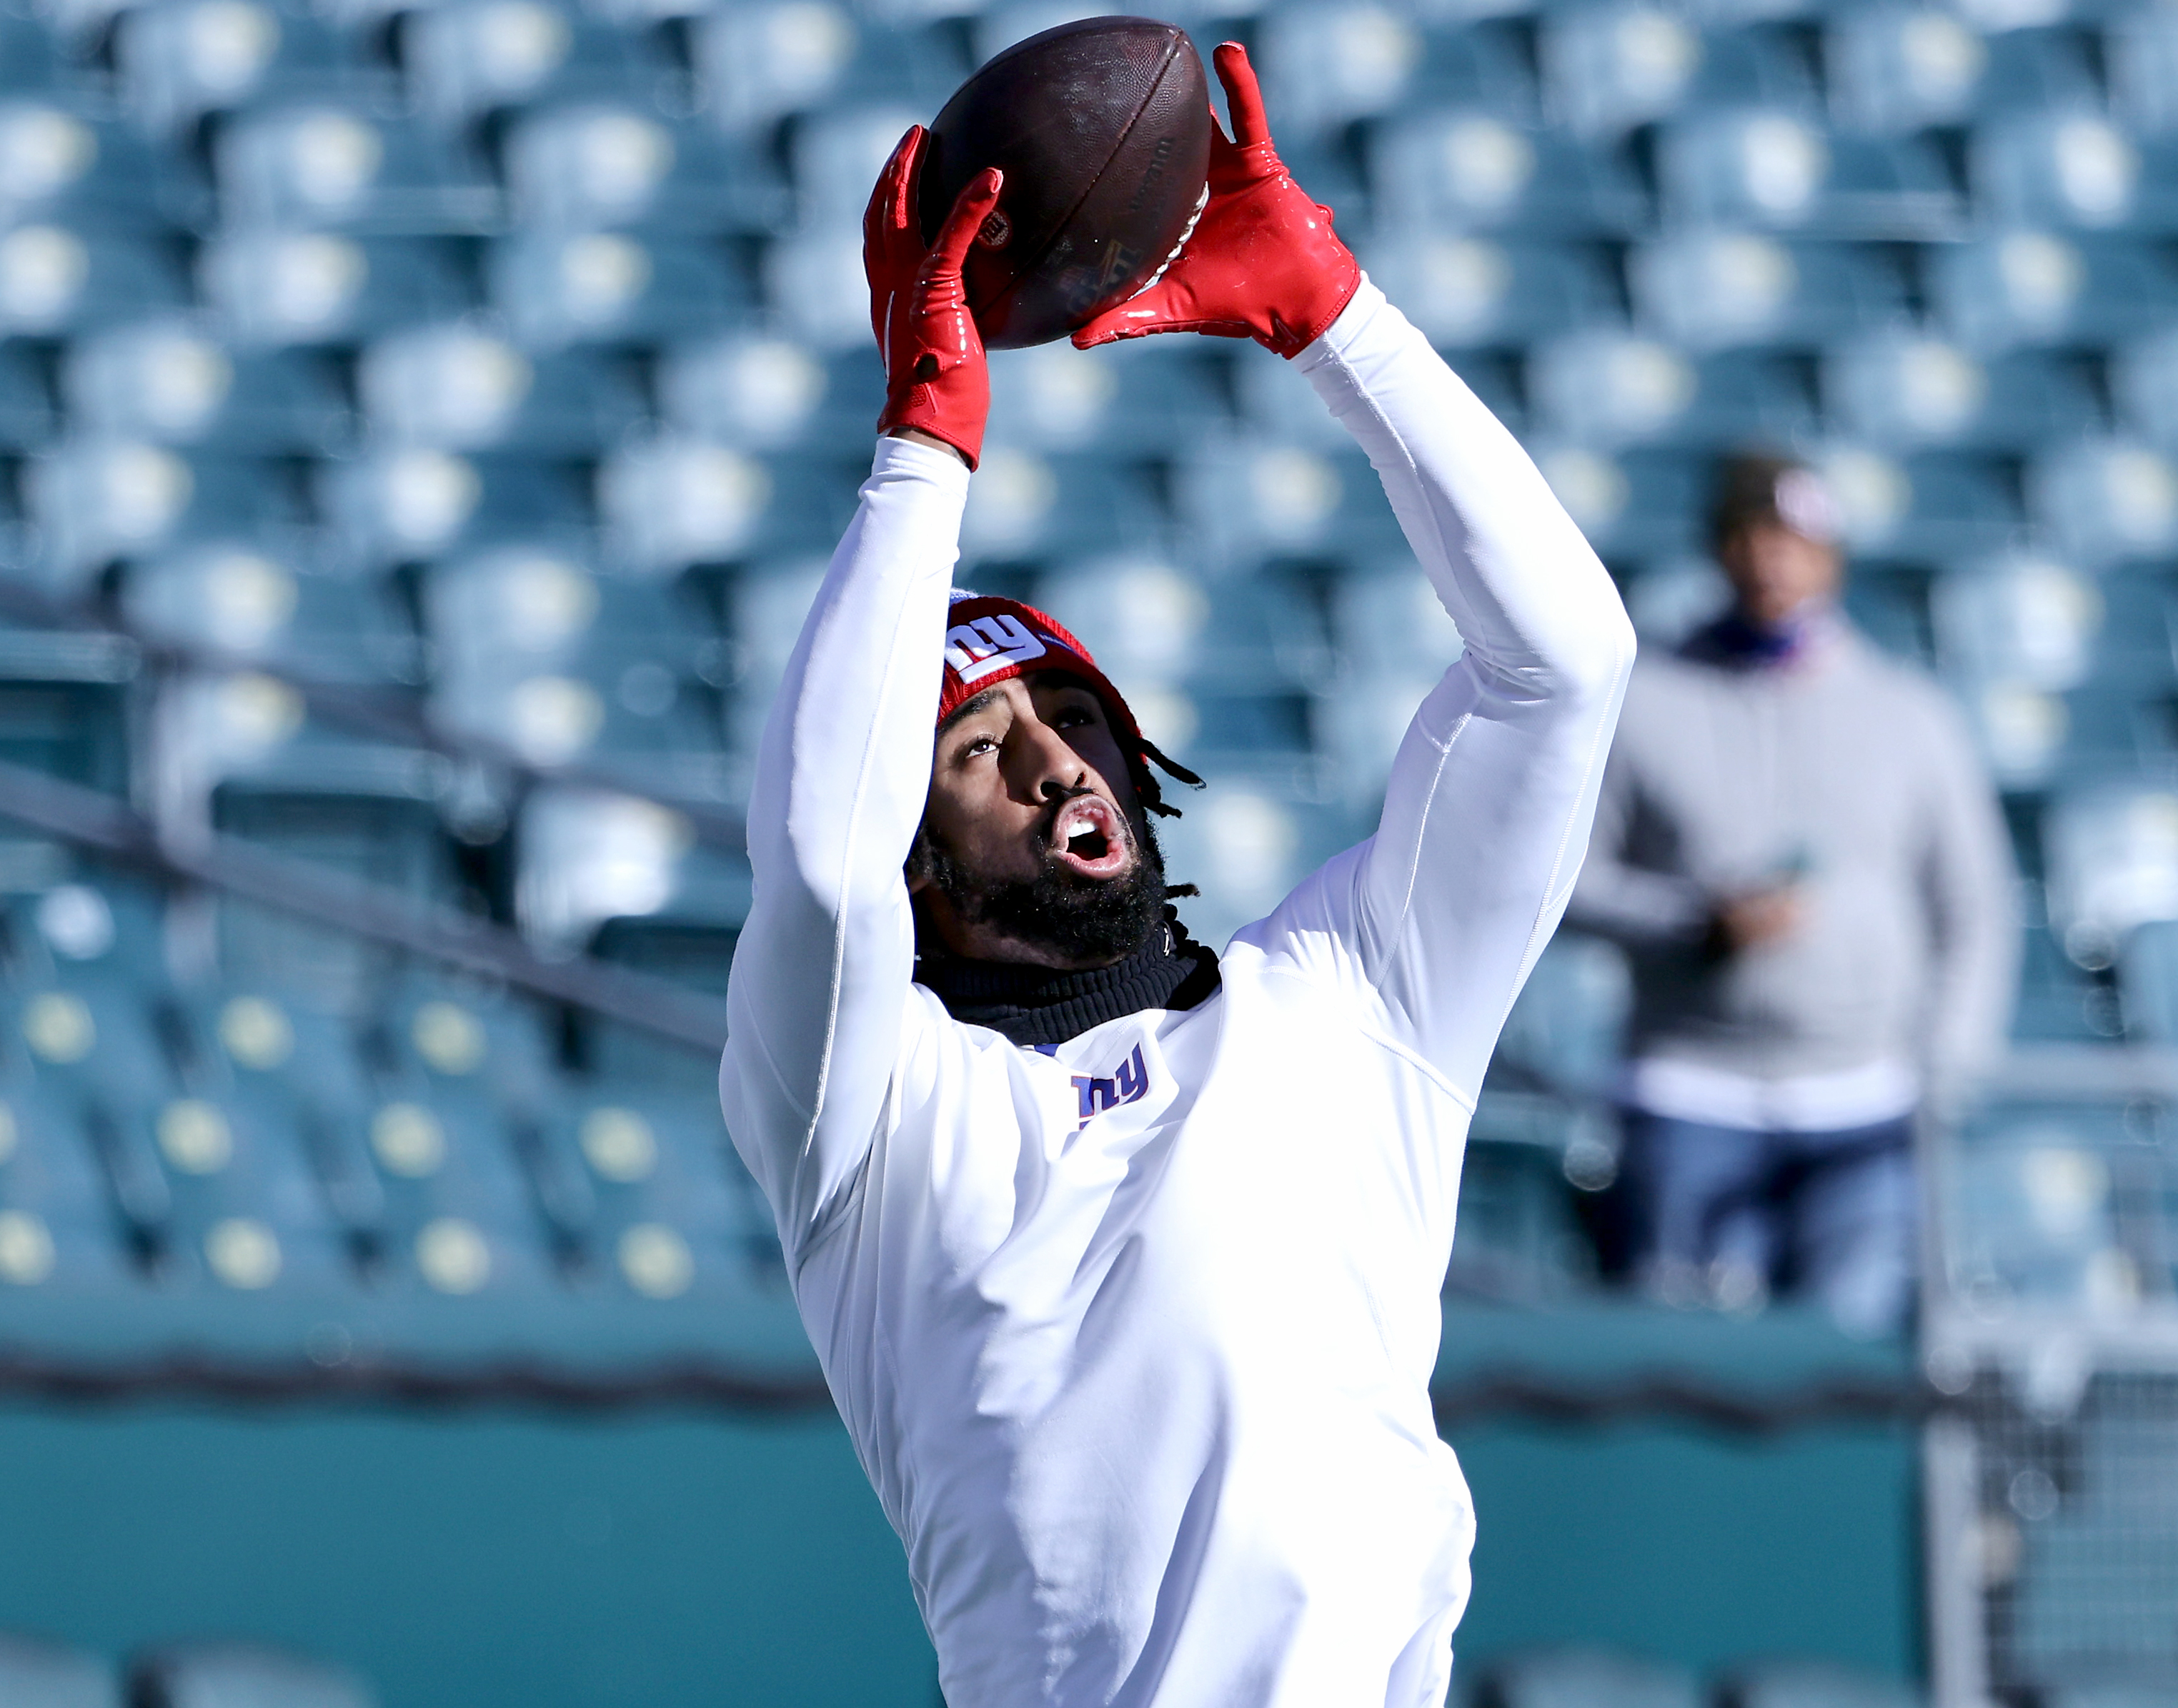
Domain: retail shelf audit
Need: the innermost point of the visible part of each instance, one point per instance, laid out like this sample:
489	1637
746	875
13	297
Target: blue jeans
1727	1216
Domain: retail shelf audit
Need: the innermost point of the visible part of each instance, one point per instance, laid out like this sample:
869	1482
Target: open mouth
1088	837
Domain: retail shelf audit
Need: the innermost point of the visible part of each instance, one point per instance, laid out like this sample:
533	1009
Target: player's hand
1262	262
1754	918
937	380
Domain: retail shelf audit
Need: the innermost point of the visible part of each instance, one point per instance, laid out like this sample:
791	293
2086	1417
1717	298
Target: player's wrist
917	435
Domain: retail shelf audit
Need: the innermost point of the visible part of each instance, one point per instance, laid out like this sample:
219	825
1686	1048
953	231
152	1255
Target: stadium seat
1247	842
1475	291
2142	376
2022	620
1896	68
1461	170
233	1675
2073	171
525	609
244	605
44	1675
461	1212
1254	499
319	287
633	720
1903	388
466	61
2140	51
1147	623
607	166
1022	505
28	414
609	288
31	62
1929	504
65	705
672	1212
99	499
836	155
2148	981
57	1225
2033	1212
1395	642
2106	500
181	59
695	950
466	1042
1812	1684
1324	66
1611	68
1584	1679
1608	387
1725	289
241	1207
246	757
758	63
2134	648
2038	287
746	388
59	277
297	1068
1565	1029
60	160
1640	504
668	501
2111	854
328	165
589	857
1519	1237
764	607
1136	396
460	389
1767	169
402	503
169	380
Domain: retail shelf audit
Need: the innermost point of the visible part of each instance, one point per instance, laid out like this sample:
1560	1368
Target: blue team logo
1128	1085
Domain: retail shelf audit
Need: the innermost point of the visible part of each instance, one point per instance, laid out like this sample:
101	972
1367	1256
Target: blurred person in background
1802	855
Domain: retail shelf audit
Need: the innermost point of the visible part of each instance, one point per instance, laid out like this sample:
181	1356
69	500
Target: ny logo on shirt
975	649
1127	1085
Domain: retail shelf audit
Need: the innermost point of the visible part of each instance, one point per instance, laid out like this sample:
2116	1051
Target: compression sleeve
818	990
1487	814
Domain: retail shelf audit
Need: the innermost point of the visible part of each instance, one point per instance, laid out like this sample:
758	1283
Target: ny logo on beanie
976	649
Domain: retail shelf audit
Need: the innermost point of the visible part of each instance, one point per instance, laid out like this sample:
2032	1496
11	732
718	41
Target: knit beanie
989	638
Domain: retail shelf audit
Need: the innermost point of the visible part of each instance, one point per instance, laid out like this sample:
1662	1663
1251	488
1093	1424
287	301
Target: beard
1085	920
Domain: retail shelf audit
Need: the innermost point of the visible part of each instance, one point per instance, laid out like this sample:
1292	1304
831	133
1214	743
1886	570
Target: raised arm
820	979
1437	919
1487	810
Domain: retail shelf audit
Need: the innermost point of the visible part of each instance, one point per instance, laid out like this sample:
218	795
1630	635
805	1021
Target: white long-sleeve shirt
1146	1393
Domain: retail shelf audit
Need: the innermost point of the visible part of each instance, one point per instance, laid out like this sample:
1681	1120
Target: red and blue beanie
989	638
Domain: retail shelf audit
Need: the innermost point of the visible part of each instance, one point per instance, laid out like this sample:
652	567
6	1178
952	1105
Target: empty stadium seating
426	423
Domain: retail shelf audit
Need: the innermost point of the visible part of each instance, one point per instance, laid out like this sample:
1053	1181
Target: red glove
1262	263
936	379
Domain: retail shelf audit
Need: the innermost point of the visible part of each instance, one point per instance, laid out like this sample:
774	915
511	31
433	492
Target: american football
1102	130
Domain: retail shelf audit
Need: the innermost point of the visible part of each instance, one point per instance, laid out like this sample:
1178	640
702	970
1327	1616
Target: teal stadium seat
1584	1679
235	1675
44	1675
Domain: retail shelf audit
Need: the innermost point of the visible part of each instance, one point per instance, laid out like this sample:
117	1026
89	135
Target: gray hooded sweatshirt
1851	773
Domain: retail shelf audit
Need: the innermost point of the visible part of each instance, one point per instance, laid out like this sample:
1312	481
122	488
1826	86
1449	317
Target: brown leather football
1102	130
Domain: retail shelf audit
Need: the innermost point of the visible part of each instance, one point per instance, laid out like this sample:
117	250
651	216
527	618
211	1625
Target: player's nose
1040	764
